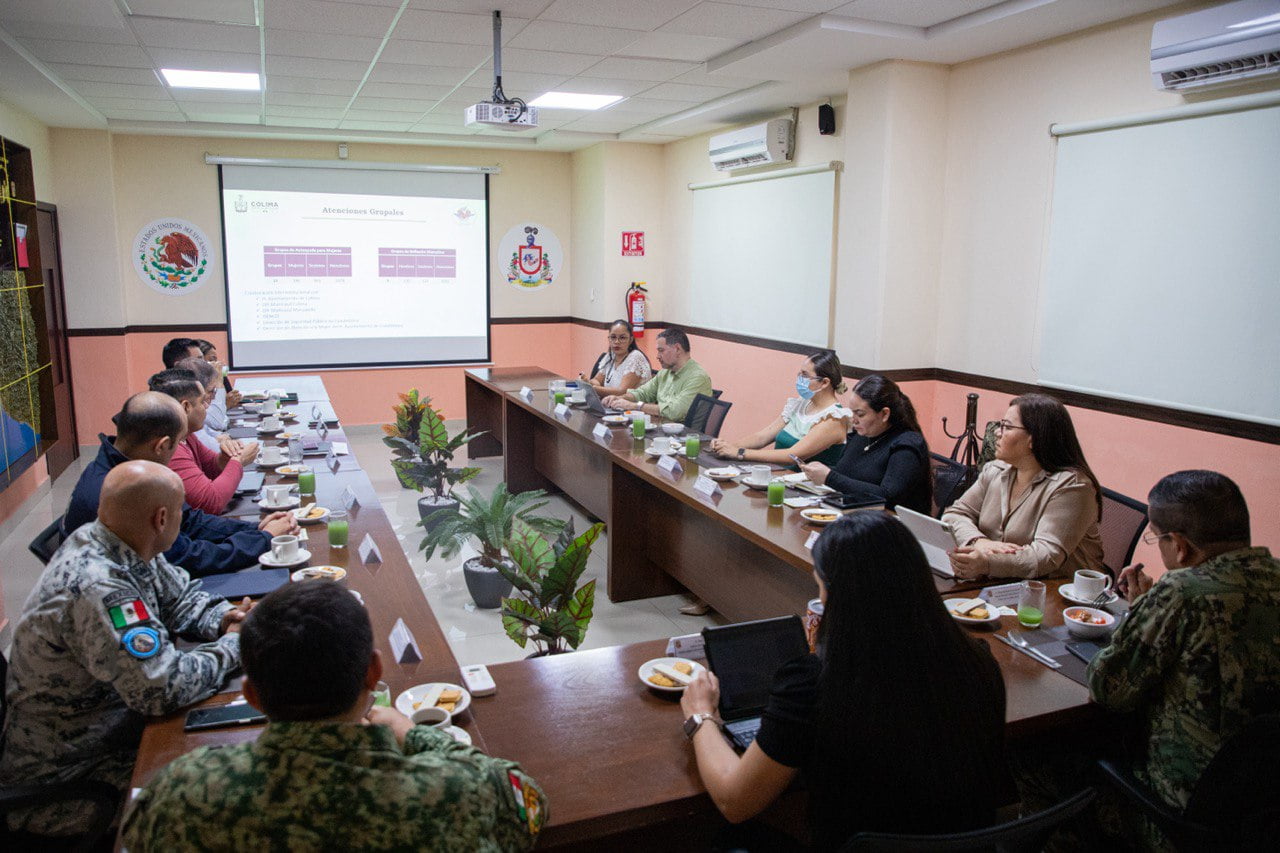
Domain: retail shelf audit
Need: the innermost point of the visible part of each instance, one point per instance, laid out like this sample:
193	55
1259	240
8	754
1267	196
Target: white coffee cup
276	495
579	396
284	549
271	423
271	455
760	475
1090	584
431	716
269	405
661	444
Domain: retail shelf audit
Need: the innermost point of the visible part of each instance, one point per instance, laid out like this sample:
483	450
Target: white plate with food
269	560
290	470
320	573
286	415
452	697
311	514
616	420
819	515
723	474
671	450
962	610
651	677
1087	623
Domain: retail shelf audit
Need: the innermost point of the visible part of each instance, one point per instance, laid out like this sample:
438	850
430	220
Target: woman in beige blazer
1034	509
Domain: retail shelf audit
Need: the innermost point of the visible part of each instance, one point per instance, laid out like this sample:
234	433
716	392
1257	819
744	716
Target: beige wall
113	185
25	130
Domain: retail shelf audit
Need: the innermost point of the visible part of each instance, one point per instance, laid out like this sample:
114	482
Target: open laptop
746	657
592	402
934	537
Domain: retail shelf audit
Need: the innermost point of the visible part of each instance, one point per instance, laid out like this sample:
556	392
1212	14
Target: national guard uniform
337	786
93	653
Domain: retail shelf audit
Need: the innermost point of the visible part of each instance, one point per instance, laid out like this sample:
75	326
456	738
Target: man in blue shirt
149	426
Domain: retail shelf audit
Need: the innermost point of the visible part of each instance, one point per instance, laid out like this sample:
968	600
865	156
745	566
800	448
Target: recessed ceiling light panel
179	78
574	101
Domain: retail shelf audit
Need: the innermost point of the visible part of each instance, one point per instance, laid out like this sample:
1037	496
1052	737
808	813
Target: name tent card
813	537
1002	595
348	499
562	410
601	431
527	393
340	448
403	645
369	552
706	486
670	465
686	646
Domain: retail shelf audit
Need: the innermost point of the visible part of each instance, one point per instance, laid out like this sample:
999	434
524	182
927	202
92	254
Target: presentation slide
352	268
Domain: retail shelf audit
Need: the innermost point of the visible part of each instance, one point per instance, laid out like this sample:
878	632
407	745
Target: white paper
340	448
369	552
403	645
526	392
706	486
813	537
601	431
349	499
669	464
562	410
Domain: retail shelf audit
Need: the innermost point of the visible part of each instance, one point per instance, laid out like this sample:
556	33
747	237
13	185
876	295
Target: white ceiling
404	70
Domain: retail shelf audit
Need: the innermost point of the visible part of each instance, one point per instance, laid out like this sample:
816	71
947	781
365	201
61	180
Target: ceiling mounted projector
500	111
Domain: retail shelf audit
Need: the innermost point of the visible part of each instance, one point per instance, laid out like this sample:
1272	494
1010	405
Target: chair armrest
1123	781
104	798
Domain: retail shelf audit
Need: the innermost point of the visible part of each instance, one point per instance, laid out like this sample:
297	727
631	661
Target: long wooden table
609	752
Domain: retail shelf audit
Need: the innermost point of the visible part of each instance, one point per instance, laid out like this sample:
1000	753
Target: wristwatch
742	453
695	722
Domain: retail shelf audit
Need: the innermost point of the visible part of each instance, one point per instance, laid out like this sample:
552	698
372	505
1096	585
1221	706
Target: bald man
149	426
93	651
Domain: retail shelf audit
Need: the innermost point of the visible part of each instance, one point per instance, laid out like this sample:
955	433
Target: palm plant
549	610
489	521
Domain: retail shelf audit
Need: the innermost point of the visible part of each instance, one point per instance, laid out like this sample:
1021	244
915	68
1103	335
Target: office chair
47	541
1236	802
1123	520
706	415
950	479
1024	834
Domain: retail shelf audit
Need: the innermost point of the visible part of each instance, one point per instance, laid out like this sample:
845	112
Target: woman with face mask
812	425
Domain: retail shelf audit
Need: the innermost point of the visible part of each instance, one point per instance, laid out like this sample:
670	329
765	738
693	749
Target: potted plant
549	610
423	462
489	521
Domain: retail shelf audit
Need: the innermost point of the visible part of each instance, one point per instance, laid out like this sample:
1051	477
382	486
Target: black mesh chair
1024	834
706	415
716	392
47	541
1123	520
950	479
1236	802
104	799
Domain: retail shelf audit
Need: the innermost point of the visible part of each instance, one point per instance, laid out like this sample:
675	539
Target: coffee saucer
290	503
1068	591
268	559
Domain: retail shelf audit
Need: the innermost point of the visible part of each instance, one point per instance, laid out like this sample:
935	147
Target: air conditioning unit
757	145
1224	45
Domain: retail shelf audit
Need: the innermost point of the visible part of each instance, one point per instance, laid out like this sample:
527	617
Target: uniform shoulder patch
124	613
142	642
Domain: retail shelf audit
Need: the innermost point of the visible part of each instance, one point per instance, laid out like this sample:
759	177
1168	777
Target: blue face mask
802	388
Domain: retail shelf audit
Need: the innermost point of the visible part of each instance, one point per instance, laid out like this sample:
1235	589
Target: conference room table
608	752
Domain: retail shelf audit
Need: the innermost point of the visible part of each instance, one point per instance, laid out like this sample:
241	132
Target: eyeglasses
1152	537
1005	426
803	375
619	337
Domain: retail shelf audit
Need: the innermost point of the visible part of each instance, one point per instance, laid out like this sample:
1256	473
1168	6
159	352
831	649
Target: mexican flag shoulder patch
128	613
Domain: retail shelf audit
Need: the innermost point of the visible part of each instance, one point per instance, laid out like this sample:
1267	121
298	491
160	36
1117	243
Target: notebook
254	583
746	657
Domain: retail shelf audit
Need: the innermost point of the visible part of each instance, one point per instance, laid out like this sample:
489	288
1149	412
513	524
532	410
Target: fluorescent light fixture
179	78
573	101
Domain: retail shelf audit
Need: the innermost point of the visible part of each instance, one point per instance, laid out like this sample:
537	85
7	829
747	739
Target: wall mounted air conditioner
757	145
1227	44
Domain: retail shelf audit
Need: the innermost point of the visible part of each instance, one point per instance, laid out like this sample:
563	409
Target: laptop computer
934	537
592	402
746	657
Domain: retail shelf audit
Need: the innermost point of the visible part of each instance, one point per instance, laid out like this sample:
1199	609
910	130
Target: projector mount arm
500	97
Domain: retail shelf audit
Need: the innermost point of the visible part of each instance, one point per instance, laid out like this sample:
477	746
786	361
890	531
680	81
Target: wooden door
59	431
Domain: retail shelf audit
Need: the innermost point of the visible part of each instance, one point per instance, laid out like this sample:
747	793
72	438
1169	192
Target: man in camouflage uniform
93	650
1199	655
329	772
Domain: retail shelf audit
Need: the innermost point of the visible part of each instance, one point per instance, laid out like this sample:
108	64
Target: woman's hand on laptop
702	696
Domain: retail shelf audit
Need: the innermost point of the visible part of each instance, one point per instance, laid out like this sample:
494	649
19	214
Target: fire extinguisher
635	307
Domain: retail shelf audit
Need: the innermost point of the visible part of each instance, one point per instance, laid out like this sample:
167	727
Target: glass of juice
692	445
339	527
382	694
306	481
1031	604
560	398
777	492
637	426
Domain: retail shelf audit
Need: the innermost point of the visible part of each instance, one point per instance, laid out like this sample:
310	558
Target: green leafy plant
489	521
423	461
549	610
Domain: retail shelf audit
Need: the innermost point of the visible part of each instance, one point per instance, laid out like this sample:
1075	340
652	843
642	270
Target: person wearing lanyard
622	366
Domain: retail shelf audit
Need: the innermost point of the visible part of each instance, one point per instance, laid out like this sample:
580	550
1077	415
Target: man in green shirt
329	772
671	391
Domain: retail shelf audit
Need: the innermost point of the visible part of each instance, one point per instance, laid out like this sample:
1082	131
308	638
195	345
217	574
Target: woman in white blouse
622	366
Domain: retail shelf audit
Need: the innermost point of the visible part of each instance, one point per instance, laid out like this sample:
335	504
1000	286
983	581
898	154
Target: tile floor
475	635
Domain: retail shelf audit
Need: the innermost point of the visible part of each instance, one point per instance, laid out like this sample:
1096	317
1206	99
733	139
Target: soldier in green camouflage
93	650
329	772
1200	653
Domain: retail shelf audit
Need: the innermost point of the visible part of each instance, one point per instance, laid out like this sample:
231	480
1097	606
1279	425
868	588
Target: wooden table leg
484	412
518	442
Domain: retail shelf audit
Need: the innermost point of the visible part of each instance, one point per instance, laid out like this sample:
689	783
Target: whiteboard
1162	277
762	255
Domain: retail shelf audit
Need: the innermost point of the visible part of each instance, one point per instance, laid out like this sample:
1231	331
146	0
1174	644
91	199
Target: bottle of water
295	450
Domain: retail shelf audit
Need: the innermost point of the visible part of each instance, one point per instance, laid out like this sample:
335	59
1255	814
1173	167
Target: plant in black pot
424	463
489	521
547	610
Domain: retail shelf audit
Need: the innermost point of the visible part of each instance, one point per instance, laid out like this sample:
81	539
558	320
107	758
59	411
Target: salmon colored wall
107	369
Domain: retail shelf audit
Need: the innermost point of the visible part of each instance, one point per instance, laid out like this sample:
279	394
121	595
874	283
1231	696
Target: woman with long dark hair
1035	508
622	366
887	459
812	425
896	723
